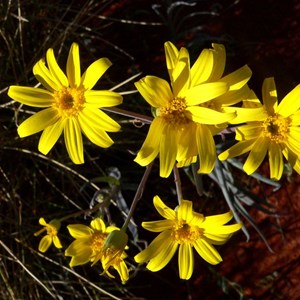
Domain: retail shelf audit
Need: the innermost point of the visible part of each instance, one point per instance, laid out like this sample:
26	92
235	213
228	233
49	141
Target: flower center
276	128
69	101
97	242
185	233
174	111
51	230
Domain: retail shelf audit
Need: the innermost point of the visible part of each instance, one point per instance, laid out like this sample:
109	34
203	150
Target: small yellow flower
187	111
185	229
275	132
89	241
113	254
71	106
51	237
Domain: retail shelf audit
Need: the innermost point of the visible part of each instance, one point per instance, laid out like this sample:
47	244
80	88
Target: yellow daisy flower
51	237
88	243
181	129
185	229
71	106
276	132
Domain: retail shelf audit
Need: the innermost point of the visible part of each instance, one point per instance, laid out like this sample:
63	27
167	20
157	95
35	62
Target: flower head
98	243
275	132
188	110
70	105
185	229
51	237
88	243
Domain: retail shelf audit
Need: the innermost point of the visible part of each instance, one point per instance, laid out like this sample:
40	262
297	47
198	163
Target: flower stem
129	114
178	184
137	196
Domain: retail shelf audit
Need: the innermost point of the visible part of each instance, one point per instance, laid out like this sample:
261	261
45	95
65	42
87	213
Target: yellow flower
185	229
51	237
276	132
185	114
113	254
71	106
88	243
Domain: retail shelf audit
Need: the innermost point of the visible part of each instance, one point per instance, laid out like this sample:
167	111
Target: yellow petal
163	209
73	66
50	136
185	261
187	147
275	161
222	230
43	75
99	99
217	220
205	92
57	242
248	132
206	149
244	115
269	95
171	53
45	243
38	122
150	148
155	91
167	151
180	77
42	222
158	226
154	248
238	78
94	72
31	96
78	231
55	70
123	271
98	224
236	150
219	60
232	97
164	256
94	132
208	116
80	251
73	141
207	251
185	211
256	156
202	68
290	103
98	119
216	239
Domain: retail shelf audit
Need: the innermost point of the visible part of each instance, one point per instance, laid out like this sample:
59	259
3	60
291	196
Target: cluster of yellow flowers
198	103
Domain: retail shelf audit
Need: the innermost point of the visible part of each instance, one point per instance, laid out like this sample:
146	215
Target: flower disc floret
69	101
276	128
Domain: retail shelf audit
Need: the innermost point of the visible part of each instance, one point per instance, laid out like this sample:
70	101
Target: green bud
116	240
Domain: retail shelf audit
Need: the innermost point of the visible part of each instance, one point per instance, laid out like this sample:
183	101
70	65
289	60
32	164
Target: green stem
129	114
178	184
137	196
79	213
